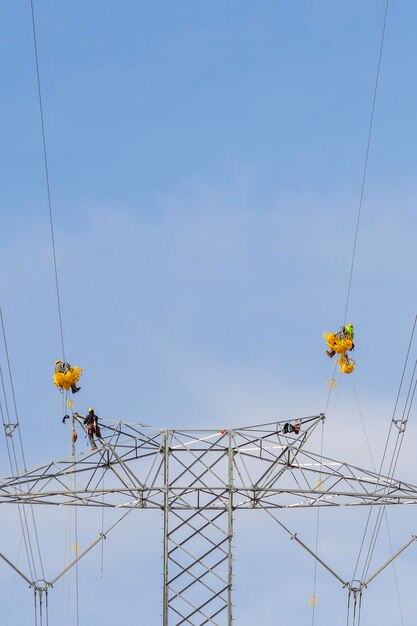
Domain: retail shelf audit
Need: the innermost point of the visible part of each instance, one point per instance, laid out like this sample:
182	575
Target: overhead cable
365	166
48	188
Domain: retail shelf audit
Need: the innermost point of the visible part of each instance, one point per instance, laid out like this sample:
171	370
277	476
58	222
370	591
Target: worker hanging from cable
340	343
67	376
91	421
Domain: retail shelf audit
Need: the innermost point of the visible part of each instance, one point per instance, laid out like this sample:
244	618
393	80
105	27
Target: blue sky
205	163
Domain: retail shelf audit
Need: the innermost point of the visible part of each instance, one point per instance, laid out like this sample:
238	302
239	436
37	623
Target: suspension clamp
355	586
400	424
9	429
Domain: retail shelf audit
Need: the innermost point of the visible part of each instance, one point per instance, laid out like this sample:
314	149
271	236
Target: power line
393	464
12	428
11	452
317	532
48	189
365	167
385	511
410	343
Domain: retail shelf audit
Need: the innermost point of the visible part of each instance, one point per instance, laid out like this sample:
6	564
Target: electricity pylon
200	479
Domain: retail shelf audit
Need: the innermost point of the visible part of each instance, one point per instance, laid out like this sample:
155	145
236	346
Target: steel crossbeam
200	480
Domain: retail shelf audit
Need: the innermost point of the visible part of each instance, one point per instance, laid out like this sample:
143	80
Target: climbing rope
102	525
317	533
77	606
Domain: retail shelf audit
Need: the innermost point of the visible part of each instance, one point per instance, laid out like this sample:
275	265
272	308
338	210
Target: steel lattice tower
201	479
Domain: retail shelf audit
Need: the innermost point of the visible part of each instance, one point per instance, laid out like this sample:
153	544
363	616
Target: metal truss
199	479
197	545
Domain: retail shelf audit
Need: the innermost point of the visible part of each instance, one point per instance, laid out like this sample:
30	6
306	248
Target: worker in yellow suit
67	377
340	343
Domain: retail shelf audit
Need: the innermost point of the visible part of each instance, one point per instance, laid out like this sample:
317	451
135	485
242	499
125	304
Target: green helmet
349	329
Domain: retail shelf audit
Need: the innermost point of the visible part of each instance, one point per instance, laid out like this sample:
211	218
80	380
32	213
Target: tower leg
197	559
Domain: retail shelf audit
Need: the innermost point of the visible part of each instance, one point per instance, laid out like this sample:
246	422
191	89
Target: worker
349	333
67	377
340	342
91	421
290	428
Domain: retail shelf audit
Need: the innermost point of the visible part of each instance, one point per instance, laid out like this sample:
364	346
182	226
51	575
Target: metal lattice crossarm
270	468
199	479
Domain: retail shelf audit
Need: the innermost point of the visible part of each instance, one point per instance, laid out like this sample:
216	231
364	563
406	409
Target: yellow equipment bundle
339	345
68	379
346	365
